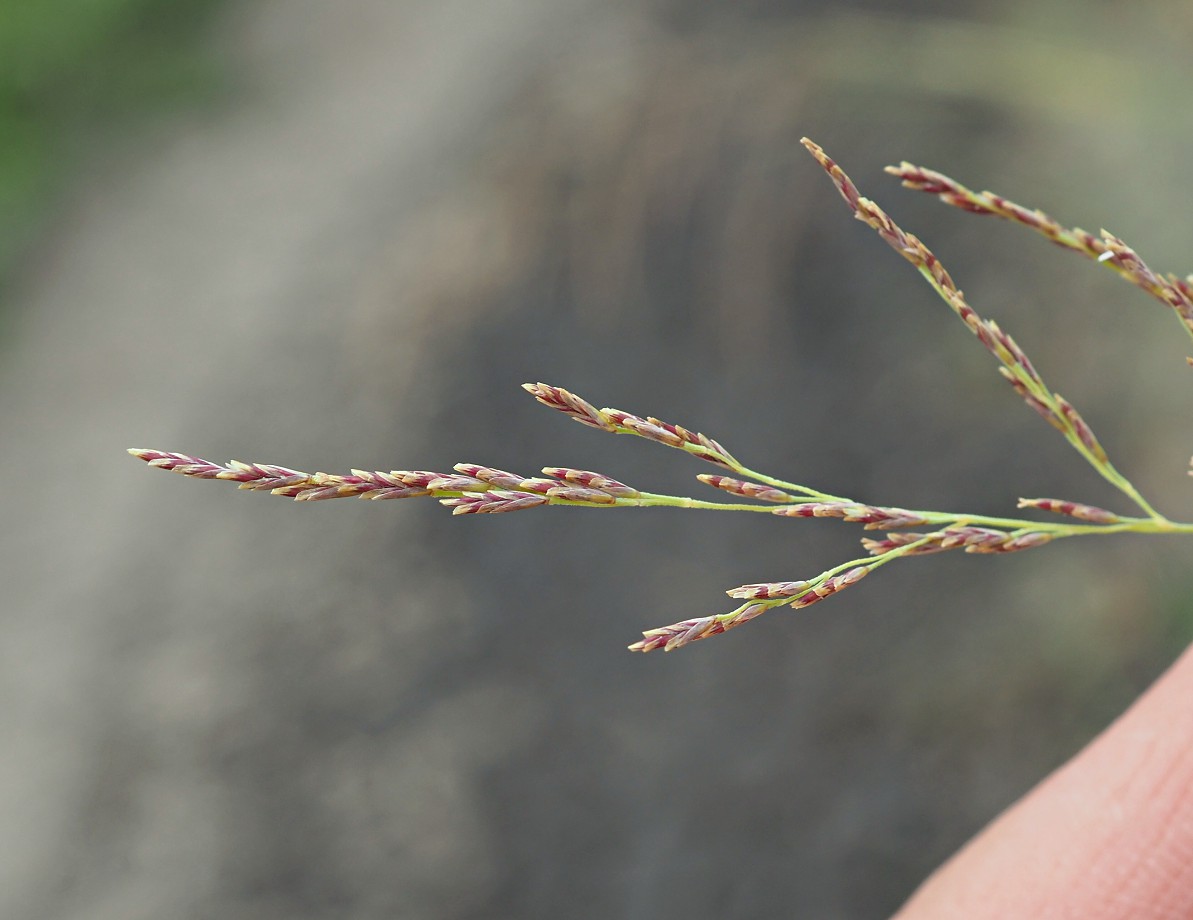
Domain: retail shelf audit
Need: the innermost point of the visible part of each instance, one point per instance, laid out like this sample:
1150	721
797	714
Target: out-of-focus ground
225	705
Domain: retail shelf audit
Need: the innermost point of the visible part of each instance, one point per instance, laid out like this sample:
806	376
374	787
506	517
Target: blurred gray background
335	235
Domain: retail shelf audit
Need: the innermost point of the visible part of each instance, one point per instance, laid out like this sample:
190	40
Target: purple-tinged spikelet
495	501
680	634
843	183
498	479
986	540
384	494
589	480
1046	412
644	428
1084	433
569	404
745	489
197	467
459	483
768	590
581	494
693	442
871	516
830	586
897	540
1090	513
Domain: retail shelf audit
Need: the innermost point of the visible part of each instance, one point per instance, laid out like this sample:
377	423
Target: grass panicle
474	489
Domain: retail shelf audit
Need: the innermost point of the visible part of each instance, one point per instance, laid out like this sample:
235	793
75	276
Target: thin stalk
1104	467
1124	525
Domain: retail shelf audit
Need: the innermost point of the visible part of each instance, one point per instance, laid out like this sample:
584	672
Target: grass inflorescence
473	489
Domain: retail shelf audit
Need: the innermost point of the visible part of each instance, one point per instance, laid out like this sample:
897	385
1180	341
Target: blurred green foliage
71	72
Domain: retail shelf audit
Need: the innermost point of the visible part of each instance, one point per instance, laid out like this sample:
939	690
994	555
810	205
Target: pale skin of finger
1108	836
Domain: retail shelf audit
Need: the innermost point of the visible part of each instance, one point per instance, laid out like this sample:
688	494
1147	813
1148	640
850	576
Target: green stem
1104	467
1115	478
869	562
1158	525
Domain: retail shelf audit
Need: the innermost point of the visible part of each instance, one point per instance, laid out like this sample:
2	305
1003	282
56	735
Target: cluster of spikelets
475	489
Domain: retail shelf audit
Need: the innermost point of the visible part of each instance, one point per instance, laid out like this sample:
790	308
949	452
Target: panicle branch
871	516
760	598
910	247
620	422
692	442
471	489
986	540
669	638
1016	368
1107	249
